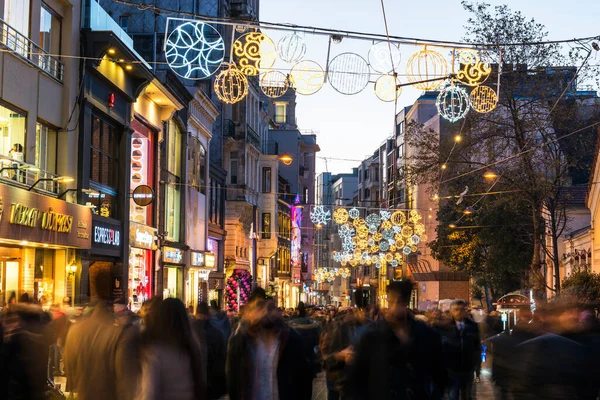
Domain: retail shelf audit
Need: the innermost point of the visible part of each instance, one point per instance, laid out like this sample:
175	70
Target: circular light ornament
307	77
407	231
425	65
472	71
358	222
354	213
372	229
406	250
414	216
413	248
371	242
340	215
415	239
291	48
384	57
387	225
231	85
348	73
398	218
453	103
254	52
419	229
362	231
394	263
384	246
483	99
274	84
354	263
378	265
387	88
393	247
389	257
372	220
320	215
194	50
377	237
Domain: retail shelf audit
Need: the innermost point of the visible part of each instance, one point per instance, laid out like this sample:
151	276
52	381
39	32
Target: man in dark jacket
216	351
462	347
309	331
265	359
401	358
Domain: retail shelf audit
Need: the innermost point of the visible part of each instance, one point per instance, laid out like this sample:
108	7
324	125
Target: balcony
23	47
242	193
252	137
17	173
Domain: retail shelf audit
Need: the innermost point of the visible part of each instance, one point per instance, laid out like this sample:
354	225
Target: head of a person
301	310
66	302
398	294
261	312
458	310
202	311
171	325
149	311
18	147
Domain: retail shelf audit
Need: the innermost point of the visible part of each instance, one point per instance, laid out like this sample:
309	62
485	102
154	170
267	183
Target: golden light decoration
483	99
357	254
413	248
419	229
307	77
377	237
231	85
254	52
414	216
359	222
389	257
362	244
398	256
274	84
393	247
362	231
374	249
426	65
386	225
407	231
387	88
398	218
472	71
340	215
354	263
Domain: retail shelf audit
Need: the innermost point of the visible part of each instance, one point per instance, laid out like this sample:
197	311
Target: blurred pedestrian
265	359
173	367
220	320
310	332
399	359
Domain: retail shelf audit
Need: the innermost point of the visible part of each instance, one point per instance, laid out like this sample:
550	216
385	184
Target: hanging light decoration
398	218
348	73
426	65
384	57
340	215
307	77
472	71
483	99
254	52
274	84
453	103
231	85
291	48
354	213
387	88
320	215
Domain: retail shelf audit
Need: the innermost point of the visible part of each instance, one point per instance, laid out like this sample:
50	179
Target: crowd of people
168	351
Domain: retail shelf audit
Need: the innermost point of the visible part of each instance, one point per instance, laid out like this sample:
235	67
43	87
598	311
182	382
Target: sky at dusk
352	127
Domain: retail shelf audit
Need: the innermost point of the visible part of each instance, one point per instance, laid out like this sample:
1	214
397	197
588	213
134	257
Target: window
202	169
266	180
367	194
50	31
172	207
280	112
12	134
45	147
174	149
266	226
233	167
305	195
104	168
366	173
124	23
16	14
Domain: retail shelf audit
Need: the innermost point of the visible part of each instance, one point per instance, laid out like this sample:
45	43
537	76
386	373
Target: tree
582	286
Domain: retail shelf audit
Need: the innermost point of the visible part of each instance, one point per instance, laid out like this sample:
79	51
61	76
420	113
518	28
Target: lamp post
71	269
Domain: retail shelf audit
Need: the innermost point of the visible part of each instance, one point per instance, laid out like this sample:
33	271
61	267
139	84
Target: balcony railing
252	137
242	193
18	173
31	52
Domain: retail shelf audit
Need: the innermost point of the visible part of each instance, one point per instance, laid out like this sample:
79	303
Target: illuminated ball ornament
231	85
387	88
425	65
483	99
291	48
254	52
320	215
194	50
415	239
453	103
384	57
274	84
307	77
472	71
398	218
354	213
349	73
340	215
385	215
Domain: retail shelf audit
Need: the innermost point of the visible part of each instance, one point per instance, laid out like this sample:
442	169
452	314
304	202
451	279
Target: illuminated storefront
173	265
197	280
142	244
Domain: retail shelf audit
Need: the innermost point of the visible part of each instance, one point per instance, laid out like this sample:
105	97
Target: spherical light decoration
425	65
320	215
231	85
384	246
415	239
387	88
291	48
354	213
377	237
386	225
406	250
483	99
274	84
358	222
194	50
372	220
384	57
388	235
407	231
307	77
398	218
394	263
472	71
362	231
348	73
389	257
340	215
254	52
453	103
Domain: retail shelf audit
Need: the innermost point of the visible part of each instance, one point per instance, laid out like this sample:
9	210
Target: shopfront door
9	280
173	282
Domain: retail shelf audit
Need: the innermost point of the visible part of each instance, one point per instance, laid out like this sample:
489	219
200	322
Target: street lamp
285	158
490	175
60	179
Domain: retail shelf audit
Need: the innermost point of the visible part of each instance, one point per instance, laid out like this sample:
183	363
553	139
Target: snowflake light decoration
384	246
194	50
337	257
320	215
396	229
373	220
415	239
385	215
406	250
354	213
388	235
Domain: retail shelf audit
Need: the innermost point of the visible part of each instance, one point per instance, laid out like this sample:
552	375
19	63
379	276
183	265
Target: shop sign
203	274
172	255
209	260
143	195
107	236
117	287
43	219
142	236
197	259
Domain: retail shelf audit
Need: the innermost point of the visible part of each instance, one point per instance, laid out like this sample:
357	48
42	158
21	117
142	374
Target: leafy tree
582	285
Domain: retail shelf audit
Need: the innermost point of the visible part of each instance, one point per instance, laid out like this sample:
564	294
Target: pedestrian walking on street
173	366
401	358
462	348
310	332
265	359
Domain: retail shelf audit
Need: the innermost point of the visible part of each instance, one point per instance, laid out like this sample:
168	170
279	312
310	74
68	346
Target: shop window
12	133
103	202
266	226
50	31
141	169
280	112
104	168
172	207
266	180
46	139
